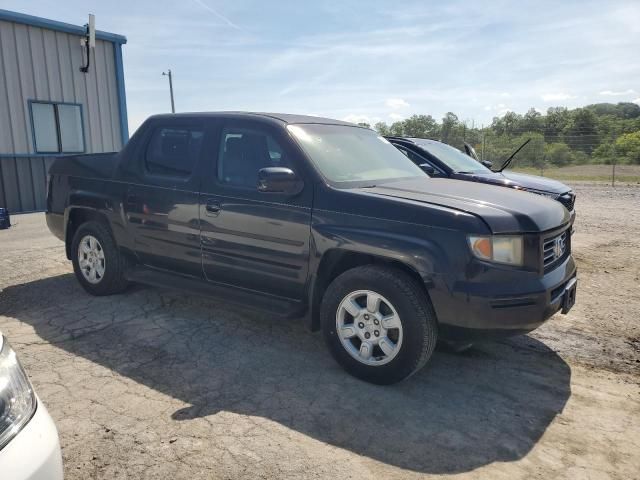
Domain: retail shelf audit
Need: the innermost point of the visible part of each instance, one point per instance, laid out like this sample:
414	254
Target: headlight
498	248
17	399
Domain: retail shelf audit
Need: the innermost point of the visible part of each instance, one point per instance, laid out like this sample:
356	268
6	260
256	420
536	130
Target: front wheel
378	324
97	262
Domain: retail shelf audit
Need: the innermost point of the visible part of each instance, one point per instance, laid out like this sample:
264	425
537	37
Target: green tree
533	153
628	147
397	129
559	154
588	134
422	126
555	122
449	123
382	128
532	121
582	131
605	153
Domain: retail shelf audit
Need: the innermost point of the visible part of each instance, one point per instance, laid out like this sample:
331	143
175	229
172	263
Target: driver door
253	240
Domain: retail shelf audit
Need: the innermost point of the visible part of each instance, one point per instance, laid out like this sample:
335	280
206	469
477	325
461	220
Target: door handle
213	207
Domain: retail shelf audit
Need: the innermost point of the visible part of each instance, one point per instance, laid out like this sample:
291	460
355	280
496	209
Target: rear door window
174	151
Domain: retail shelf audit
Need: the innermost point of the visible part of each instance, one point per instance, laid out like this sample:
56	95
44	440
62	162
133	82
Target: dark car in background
438	159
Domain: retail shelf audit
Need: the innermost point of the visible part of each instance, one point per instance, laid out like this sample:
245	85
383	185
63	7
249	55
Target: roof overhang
24	19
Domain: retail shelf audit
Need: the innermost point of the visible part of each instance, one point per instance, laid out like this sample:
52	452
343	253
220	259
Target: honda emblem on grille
558	248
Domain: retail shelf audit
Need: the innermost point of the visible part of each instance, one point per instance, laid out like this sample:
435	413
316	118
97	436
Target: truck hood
504	210
513	179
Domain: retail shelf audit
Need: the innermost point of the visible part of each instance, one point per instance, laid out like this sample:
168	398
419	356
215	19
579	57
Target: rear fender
96	206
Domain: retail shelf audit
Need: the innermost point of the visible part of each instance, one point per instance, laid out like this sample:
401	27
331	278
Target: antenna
92	30
89	41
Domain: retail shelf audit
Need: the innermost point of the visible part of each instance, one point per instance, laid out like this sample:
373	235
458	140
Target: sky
369	60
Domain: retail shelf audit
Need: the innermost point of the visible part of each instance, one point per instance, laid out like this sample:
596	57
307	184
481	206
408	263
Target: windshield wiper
508	160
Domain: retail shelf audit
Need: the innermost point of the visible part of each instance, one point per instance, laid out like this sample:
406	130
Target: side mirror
427	168
279	180
487	164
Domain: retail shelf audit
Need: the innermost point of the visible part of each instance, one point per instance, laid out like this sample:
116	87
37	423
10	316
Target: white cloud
396	116
396	103
552	97
611	93
637	100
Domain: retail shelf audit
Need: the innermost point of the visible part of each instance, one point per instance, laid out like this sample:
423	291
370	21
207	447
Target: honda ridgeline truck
319	219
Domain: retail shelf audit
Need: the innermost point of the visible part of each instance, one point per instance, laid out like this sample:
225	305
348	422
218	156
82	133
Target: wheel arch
336	261
76	216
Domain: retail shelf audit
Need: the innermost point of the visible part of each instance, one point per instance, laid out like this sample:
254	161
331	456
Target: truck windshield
453	158
353	154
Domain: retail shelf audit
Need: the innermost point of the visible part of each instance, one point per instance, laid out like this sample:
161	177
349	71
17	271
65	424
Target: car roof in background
283	118
415	140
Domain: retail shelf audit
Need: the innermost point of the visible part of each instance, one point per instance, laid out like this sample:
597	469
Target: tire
400	296
110	279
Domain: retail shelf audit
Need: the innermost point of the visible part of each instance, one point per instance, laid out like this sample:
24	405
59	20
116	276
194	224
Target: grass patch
597	173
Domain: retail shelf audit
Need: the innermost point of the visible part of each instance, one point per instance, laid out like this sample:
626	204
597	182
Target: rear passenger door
161	204
254	240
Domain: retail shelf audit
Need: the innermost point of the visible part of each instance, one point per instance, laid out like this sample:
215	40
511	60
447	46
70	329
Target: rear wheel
97	262
378	323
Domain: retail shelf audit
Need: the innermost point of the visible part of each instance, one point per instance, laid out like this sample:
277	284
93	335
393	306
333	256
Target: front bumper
472	311
33	454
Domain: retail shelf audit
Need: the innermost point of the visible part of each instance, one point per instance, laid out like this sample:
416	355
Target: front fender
432	253
422	254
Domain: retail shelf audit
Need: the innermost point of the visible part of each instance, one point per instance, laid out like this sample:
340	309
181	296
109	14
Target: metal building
49	107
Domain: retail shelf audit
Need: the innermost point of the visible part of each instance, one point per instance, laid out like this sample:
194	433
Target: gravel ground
159	384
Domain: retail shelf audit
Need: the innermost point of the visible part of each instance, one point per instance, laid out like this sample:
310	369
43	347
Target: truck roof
286	118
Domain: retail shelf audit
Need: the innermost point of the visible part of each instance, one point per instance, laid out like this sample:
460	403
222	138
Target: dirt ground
159	384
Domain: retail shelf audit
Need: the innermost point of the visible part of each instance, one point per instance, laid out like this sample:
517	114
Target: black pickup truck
318	219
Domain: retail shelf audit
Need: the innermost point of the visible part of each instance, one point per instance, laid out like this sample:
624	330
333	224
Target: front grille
568	200
555	249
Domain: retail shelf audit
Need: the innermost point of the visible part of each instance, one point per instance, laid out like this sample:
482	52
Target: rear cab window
174	151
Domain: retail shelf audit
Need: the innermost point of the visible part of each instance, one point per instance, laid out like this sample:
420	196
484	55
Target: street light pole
168	74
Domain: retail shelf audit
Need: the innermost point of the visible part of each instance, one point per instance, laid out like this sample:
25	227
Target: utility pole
168	74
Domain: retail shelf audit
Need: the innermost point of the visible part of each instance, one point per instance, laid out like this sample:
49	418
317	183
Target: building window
57	127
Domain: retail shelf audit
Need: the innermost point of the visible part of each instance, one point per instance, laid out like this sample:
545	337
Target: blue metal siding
40	60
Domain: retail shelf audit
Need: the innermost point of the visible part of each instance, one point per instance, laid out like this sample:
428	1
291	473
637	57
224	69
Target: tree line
598	133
